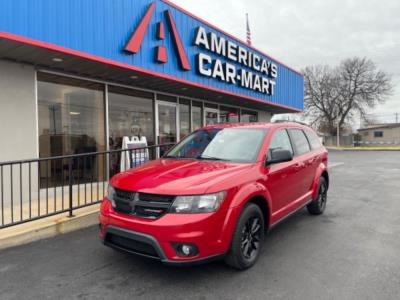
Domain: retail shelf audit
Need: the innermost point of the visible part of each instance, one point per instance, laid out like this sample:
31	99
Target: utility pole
397	117
337	135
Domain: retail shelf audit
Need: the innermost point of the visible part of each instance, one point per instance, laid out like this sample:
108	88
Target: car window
194	145
313	139
228	144
300	141
280	141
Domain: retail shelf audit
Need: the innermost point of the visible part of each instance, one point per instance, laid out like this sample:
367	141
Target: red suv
216	193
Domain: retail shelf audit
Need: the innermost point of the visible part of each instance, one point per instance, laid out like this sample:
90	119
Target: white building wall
18	133
18	136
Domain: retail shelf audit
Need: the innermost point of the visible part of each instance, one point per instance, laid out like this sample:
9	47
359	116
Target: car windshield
223	144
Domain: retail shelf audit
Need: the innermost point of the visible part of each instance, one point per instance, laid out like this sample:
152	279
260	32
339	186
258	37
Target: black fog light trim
185	249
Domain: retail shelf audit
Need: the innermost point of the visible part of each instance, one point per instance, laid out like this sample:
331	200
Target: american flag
248	33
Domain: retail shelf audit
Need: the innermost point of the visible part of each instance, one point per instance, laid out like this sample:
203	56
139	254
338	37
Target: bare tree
334	95
320	95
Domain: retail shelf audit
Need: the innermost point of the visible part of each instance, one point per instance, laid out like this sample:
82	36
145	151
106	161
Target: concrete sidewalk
48	227
377	148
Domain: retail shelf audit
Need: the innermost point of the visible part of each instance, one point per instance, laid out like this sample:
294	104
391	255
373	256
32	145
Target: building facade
77	76
380	135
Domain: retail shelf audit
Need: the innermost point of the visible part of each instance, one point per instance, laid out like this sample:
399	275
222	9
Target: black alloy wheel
251	237
322	196
248	237
318	205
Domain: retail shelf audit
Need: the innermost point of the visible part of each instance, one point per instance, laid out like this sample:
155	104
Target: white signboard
134	158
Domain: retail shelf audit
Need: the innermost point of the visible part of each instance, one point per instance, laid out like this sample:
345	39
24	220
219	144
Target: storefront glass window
197	115
228	115
249	116
210	105
166	98
210	116
130	114
71	121
184	117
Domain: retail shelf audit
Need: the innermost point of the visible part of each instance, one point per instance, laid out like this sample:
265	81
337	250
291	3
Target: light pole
337	135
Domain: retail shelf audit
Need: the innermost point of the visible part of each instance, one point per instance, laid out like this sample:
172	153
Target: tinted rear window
313	139
300	141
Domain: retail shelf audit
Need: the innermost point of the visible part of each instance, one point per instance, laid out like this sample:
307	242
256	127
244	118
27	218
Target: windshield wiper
207	157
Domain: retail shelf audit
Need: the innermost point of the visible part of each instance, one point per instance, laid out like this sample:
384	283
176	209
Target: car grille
142	205
130	245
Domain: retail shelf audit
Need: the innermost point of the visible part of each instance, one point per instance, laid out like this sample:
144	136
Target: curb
47	228
361	149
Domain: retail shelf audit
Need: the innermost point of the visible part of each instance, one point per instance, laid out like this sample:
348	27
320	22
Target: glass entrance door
210	116
167	123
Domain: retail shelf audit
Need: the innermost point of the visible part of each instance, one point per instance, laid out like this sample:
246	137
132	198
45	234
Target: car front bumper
211	233
141	238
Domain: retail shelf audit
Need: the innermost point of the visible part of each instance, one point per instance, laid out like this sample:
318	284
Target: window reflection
130	114
228	115
71	121
197	115
249	116
184	117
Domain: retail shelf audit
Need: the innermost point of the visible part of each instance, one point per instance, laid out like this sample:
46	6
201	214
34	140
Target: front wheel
318	205
247	238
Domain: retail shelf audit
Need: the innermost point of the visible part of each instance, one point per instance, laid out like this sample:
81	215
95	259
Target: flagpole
248	32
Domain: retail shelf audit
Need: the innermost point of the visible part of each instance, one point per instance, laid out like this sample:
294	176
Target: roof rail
285	121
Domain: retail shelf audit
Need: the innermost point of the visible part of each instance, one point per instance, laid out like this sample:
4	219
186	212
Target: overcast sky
307	32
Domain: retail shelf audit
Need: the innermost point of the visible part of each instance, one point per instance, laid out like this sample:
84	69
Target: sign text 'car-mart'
260	78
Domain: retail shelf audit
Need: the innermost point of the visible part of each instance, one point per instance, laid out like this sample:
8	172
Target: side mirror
279	156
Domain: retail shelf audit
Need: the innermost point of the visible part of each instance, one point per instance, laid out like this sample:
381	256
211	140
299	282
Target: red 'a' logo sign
161	55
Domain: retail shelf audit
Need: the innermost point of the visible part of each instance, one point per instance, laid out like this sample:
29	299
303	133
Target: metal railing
38	188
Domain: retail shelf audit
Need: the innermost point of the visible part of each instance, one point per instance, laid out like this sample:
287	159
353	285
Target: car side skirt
283	219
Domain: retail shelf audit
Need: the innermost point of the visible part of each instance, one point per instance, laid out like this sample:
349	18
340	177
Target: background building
380	134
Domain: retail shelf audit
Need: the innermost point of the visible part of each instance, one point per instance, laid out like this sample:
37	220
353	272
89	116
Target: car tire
318	205
248	238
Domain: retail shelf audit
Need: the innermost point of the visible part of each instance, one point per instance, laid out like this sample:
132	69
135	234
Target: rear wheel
247	239
318	205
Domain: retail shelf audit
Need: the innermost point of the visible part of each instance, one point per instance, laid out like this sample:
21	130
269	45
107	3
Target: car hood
180	177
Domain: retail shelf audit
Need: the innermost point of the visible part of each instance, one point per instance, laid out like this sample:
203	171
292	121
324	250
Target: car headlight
197	203
111	195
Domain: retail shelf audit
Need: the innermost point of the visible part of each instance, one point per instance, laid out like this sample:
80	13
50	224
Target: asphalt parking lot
350	252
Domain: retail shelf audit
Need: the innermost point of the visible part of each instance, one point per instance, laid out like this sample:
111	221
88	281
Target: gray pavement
350	252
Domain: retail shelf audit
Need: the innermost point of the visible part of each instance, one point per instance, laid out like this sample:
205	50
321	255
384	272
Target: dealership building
77	76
